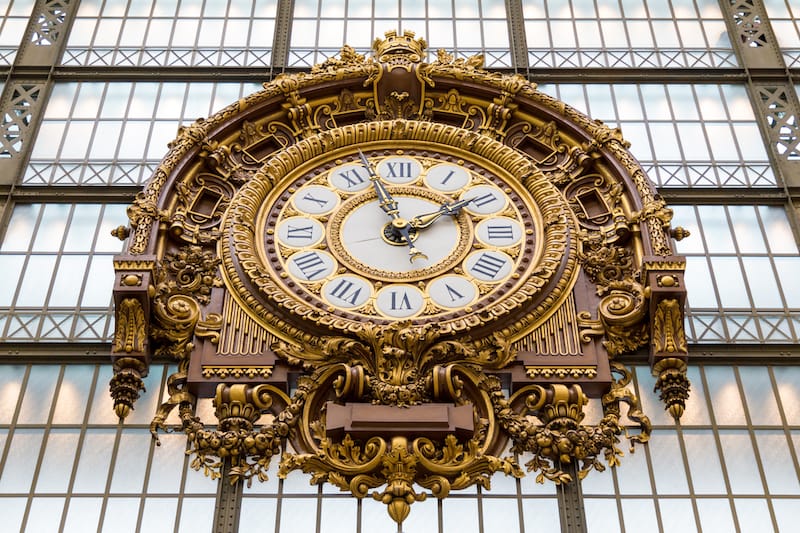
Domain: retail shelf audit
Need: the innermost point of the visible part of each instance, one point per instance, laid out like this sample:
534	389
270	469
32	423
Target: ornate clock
415	268
382	231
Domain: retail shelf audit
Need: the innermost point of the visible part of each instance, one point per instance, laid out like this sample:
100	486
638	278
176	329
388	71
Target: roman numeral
300	232
318	201
488	265
344	291
399	169
352	177
400	303
308	264
454	294
500	232
487	198
447	178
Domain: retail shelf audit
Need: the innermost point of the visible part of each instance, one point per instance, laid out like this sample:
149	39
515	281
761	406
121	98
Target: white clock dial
311	265
452	291
400	300
350	178
499	231
300	232
399	170
315	200
486	200
447	177
347	291
362	235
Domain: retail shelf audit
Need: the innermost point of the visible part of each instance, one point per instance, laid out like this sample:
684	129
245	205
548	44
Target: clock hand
452	209
389	205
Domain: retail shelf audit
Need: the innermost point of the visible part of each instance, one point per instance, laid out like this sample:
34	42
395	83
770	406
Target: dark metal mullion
754	443
42	450
517	38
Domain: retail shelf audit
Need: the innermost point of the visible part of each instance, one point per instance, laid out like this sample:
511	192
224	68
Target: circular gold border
549	276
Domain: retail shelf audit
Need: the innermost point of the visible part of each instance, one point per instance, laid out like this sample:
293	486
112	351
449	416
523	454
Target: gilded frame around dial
293	283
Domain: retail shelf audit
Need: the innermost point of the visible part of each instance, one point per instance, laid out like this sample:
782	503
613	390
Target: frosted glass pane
197	515
73	394
759	395
11	377
83	515
36	281
776	459
715	516
788	381
12	510
159	515
92	473
639	515
601	515
752	515
786	513
167	468
298	483
668	467
50	232
776	225
740	462
83	227
340	515
460	514
121	515
68	282
44	514
704	462
716	229
131	462
20	463
541	515
724	393
21	227
257	514
729	278
374	514
677	516
38	394
500	515
298	515
424	516
59	456
790	282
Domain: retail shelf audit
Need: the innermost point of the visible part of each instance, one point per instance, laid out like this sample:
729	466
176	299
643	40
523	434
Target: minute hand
452	209
387	203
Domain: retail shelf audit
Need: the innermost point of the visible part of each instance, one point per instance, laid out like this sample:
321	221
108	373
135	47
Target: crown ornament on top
399	47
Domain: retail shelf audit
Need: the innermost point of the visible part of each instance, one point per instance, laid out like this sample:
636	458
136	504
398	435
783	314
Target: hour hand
452	209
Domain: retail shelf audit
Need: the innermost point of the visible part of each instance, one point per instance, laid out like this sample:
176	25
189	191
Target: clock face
413	234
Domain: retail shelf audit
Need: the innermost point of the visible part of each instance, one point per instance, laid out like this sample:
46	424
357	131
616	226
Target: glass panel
121	515
704	462
715	516
740	462
44	514
188	36
677	515
56	465
20	463
83	515
639	515
759	395
601	515
461	514
257	514
777	461
198	513
159	515
500	515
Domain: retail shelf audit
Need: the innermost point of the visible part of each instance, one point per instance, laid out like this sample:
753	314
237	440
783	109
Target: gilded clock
392	230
